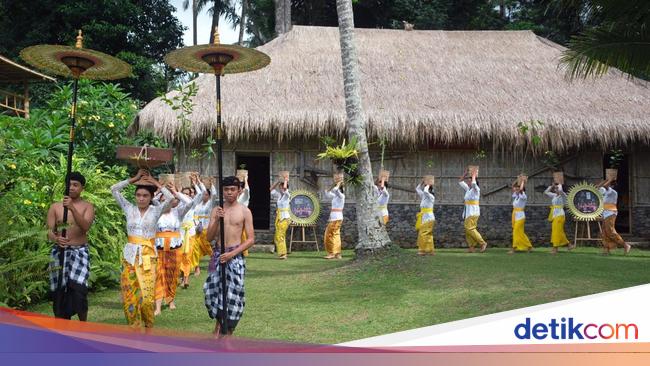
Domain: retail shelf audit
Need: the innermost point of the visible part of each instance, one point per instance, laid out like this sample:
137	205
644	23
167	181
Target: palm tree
372	236
219	7
195	14
621	39
242	21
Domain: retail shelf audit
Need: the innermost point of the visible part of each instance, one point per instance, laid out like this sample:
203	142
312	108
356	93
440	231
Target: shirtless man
74	243
237	218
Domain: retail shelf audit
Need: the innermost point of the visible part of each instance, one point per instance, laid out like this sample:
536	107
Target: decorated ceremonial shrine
440	100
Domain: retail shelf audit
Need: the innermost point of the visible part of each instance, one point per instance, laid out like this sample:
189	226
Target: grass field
308	299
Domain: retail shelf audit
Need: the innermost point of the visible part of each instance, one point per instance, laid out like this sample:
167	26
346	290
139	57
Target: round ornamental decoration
585	202
304	208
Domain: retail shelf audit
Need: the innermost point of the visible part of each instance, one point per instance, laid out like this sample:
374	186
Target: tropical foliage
344	157
621	38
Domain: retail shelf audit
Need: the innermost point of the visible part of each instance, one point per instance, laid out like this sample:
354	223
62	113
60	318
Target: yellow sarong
200	247
472	235
186	251
137	284
168	268
520	240
280	237
333	237
425	237
558	236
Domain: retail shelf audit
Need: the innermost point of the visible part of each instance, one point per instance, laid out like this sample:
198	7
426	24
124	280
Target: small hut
12	74
435	97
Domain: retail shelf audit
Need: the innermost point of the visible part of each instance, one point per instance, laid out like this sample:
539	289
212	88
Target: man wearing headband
236	218
76	263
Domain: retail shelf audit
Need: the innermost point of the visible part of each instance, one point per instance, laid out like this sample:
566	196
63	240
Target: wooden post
26	100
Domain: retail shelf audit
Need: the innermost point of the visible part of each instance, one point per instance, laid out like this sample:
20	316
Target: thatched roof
12	72
449	86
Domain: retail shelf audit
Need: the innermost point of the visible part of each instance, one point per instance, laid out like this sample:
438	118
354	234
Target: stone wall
641	221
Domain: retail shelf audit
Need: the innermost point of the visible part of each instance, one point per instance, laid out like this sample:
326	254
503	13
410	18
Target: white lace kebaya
145	225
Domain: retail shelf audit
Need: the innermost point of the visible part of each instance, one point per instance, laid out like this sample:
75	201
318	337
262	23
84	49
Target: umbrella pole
60	297
224	293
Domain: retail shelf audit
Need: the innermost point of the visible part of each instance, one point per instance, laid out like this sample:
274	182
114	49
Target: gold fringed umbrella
218	59
75	62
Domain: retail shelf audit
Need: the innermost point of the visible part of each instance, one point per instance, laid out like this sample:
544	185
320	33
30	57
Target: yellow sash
610	207
187	226
514	211
382	207
550	213
168	235
471	203
418	217
148	249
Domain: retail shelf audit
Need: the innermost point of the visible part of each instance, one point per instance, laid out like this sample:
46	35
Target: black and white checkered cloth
76	266
235	269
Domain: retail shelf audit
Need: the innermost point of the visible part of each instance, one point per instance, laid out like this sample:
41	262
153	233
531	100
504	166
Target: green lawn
309	299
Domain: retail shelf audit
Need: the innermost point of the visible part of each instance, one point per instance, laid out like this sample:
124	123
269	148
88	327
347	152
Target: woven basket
144	157
166	178
429	180
283	174
183	180
241	174
384	175
522	177
611	174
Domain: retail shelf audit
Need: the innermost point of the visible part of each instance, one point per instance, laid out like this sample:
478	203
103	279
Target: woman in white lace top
139	254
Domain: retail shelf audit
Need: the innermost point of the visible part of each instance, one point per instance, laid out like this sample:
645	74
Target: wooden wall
407	168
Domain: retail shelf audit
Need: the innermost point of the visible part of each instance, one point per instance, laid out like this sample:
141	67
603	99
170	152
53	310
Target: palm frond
13	237
592	53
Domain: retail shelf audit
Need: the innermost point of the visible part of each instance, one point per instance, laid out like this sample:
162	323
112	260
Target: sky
227	34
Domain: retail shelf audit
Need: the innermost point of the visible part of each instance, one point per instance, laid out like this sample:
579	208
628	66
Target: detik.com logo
568	328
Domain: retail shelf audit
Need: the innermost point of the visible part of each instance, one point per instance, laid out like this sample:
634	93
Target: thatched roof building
436	96
442	86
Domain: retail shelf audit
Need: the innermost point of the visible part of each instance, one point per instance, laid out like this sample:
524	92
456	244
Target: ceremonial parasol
218	59
75	62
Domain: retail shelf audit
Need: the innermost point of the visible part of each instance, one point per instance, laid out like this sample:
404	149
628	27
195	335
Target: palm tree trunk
242	21
287	15
195	15
215	19
372	235
279	16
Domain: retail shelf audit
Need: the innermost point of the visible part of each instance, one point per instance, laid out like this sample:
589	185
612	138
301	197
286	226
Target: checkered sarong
235	269
76	266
